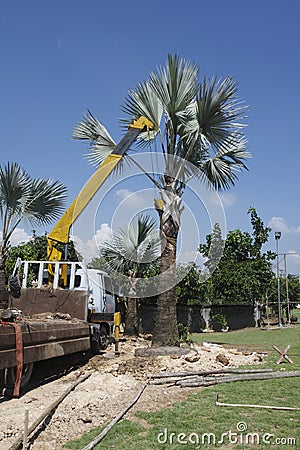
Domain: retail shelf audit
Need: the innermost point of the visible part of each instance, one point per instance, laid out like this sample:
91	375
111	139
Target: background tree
244	273
133	251
197	122
39	201
34	250
190	289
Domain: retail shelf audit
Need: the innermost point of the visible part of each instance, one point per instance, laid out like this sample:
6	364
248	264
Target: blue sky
60	58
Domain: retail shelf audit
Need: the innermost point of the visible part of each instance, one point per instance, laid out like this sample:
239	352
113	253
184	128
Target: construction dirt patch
112	384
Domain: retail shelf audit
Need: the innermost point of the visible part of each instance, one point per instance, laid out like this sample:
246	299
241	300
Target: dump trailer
60	307
46	321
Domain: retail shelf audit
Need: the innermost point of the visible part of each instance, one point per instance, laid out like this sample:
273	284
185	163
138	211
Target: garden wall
197	317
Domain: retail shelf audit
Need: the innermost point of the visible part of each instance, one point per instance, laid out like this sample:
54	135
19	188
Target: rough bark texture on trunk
166	330
2	280
3	291
131	325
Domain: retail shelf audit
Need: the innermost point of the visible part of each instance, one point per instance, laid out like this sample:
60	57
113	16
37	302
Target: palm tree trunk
3	291
131	326
166	331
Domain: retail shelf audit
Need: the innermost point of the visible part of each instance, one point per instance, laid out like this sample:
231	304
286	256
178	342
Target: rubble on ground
113	383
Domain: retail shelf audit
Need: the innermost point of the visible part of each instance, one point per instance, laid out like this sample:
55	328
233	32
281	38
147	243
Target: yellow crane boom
60	232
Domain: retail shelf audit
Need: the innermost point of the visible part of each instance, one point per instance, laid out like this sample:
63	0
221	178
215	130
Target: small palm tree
200	131
39	201
133	252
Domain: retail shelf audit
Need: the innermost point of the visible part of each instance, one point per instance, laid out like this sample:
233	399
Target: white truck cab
91	288
99	287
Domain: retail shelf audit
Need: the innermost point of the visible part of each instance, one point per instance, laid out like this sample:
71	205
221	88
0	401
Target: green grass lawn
258	340
199	420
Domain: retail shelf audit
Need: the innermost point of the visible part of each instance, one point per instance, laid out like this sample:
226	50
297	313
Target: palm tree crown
135	248
197	121
39	201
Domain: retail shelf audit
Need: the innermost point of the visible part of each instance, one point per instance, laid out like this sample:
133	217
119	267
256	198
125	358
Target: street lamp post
277	237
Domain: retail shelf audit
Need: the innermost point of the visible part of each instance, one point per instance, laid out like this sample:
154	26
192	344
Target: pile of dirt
113	383
195	357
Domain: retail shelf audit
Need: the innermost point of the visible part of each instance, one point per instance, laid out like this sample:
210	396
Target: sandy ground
113	383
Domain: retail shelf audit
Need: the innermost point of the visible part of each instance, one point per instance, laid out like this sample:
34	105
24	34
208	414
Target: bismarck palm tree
134	252
199	128
39	201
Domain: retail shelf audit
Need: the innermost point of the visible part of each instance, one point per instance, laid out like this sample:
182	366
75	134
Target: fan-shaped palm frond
219	171
210	134
218	112
169	91
175	85
142	101
15	189
92	130
46	201
134	248
21	197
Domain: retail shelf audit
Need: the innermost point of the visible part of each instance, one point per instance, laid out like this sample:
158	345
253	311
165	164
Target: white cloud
289	262
18	236
105	233
123	193
90	249
131	199
225	198
293	255
228	199
293	262
278	224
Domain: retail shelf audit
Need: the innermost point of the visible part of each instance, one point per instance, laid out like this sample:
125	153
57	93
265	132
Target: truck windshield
109	296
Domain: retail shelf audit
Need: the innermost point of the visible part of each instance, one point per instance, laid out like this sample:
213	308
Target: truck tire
2	380
26	376
99	343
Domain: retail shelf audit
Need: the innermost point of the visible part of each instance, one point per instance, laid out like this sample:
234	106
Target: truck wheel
2	379
26	375
100	343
